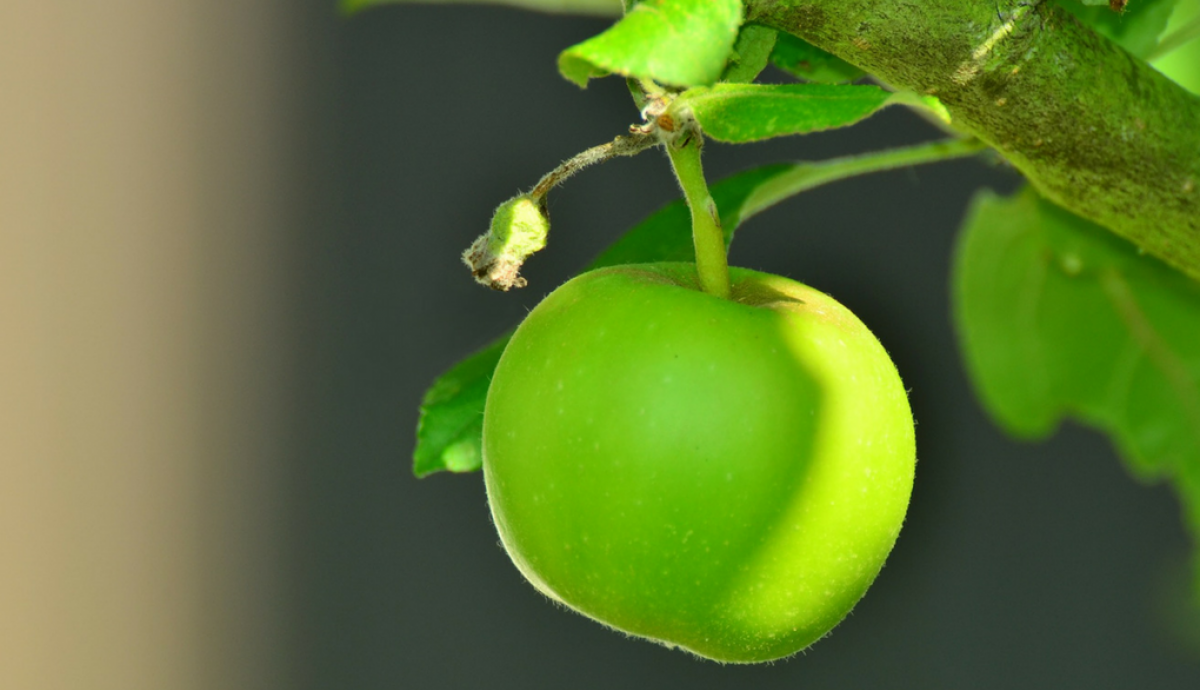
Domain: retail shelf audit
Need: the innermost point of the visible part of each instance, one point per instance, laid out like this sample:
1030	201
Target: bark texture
1095	129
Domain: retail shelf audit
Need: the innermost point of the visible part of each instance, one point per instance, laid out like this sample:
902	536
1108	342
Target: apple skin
725	476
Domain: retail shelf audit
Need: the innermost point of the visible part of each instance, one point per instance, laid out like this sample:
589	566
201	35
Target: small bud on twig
520	225
519	228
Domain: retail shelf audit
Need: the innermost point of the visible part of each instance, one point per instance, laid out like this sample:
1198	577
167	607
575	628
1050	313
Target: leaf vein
1157	350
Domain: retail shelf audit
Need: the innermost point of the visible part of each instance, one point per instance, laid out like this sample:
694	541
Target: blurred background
229	240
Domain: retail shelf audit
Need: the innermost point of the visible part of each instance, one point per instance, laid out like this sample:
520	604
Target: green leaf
805	61
1061	319
600	8
750	53
1183	65
451	422
1136	29
1179	51
738	113
675	42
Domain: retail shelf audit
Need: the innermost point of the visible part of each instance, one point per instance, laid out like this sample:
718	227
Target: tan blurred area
143	178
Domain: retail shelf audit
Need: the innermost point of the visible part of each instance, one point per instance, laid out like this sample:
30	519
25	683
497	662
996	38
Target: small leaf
750	53
805	61
675	42
451	421
600	8
738	113
1060	318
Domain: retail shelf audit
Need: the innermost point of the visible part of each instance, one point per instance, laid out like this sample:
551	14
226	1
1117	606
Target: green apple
722	475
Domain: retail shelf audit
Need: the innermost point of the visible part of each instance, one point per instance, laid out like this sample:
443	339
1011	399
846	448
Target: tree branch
1093	128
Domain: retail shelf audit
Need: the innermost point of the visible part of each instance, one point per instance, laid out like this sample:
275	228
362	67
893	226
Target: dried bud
518	229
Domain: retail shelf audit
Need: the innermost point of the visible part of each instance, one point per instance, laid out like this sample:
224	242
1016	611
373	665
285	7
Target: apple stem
626	145
712	265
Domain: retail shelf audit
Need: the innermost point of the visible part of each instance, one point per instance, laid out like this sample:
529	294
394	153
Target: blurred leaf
1181	59
601	8
675	42
1136	29
451	422
1062	319
809	63
750	53
1176	603
739	113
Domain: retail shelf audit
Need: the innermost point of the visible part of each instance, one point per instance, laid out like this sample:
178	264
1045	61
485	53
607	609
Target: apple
722	475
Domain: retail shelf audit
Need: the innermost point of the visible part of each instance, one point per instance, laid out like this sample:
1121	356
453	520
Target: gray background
1020	565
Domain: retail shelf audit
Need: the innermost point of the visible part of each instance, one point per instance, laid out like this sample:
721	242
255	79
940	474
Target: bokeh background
229	240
